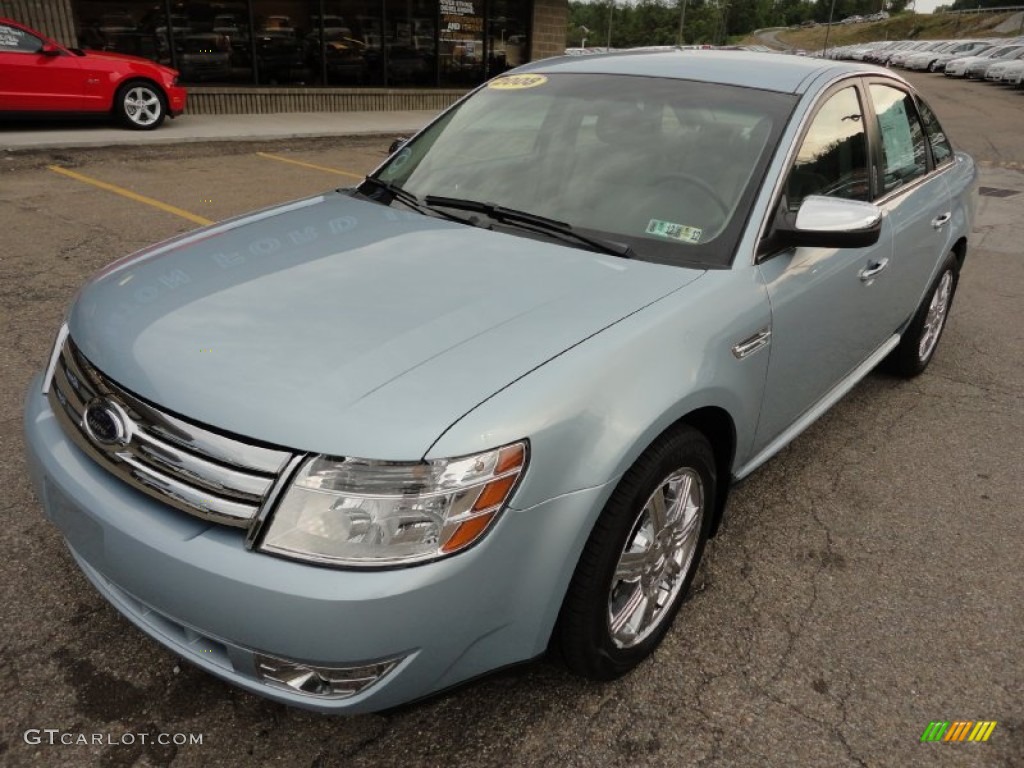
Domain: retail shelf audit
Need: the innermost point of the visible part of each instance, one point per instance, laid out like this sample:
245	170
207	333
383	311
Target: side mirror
49	49
829	222
397	144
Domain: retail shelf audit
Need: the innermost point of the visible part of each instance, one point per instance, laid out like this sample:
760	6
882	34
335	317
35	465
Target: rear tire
640	559
919	341
140	105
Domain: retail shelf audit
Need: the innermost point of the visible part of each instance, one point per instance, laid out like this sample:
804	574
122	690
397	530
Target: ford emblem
104	423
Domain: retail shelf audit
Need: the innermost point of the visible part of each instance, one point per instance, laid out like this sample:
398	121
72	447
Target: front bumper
195	588
177	98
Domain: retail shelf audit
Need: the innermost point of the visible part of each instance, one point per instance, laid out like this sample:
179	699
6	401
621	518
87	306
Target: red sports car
38	76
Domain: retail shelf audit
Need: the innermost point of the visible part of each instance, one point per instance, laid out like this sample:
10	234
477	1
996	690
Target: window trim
874	130
932	171
42	42
854	79
861	82
918	101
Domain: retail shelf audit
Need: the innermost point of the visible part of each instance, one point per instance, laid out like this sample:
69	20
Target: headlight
356	512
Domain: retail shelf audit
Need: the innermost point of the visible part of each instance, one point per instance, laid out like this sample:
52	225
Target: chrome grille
204	473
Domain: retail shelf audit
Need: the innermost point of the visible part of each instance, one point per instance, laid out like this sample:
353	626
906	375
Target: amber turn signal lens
510	458
467	532
494	493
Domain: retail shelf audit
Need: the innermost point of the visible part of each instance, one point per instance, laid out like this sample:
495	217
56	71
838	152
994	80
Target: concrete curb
213	128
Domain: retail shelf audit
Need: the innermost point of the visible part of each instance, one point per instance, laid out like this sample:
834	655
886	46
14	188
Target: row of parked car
998	60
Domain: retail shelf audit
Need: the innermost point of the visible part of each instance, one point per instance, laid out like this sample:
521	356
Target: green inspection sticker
674	231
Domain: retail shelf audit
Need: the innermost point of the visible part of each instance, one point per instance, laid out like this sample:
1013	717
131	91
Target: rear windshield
667	166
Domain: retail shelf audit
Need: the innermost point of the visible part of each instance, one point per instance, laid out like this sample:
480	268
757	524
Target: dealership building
285	55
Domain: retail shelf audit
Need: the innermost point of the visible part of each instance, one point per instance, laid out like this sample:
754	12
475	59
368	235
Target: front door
32	82
827	303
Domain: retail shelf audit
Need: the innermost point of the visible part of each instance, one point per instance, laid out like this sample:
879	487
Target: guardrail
975	11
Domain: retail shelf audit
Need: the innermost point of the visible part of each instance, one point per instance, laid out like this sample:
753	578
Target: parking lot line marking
131	195
314	166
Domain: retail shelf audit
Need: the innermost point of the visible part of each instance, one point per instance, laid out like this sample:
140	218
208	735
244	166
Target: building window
135	28
339	43
508	25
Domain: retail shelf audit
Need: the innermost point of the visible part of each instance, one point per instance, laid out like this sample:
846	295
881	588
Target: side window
941	149
833	159
14	40
903	152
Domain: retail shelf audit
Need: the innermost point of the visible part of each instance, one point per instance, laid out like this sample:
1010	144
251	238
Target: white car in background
1010	73
922	58
960	67
936	58
899	58
994	72
979	68
966	48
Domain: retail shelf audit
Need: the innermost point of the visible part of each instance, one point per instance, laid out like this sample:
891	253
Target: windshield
668	167
1000	53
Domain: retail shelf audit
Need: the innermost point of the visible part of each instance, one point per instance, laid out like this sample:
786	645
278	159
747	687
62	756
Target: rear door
913	195
32	82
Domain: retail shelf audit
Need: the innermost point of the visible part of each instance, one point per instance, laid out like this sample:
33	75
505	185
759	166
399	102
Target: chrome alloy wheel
142	105
936	317
656	559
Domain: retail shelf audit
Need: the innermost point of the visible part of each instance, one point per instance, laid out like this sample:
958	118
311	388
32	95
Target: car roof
766	71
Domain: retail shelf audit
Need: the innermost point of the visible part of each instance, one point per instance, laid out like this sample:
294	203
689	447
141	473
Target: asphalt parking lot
867	581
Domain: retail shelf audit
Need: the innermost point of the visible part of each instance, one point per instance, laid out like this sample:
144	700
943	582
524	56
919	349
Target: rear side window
942	152
903	147
14	40
833	158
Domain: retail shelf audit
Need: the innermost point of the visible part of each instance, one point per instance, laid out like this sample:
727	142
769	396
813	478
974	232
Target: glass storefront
341	43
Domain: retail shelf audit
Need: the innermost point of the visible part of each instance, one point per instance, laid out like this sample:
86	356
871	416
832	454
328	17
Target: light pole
682	20
611	12
585	31
828	29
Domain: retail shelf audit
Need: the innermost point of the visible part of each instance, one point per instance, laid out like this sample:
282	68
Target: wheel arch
718	427
960	251
134	77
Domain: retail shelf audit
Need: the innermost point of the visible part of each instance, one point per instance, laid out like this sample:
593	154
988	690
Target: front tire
140	105
640	558
917	346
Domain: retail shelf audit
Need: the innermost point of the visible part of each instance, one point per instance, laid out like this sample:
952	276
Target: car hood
342	326
121	57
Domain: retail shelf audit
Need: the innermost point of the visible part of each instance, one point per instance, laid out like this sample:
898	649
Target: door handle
871	271
939	221
751	344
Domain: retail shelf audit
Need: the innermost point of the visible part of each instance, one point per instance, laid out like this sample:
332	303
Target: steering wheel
696	181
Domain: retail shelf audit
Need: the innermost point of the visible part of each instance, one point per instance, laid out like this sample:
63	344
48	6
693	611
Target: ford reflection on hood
295	325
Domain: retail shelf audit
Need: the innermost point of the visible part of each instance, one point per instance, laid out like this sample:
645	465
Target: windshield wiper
397	193
532	222
408	199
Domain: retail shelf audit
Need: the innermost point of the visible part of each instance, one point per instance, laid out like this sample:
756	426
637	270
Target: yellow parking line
315	167
130	195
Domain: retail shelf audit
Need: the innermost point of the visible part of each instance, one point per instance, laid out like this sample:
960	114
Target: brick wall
261	101
51	17
550	20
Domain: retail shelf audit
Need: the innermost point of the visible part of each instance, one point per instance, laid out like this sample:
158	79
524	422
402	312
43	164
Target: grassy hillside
904	26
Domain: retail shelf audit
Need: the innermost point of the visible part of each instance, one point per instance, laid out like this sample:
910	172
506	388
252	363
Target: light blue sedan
359	448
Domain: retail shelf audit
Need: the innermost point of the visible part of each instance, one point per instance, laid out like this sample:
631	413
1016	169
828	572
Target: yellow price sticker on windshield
517	82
